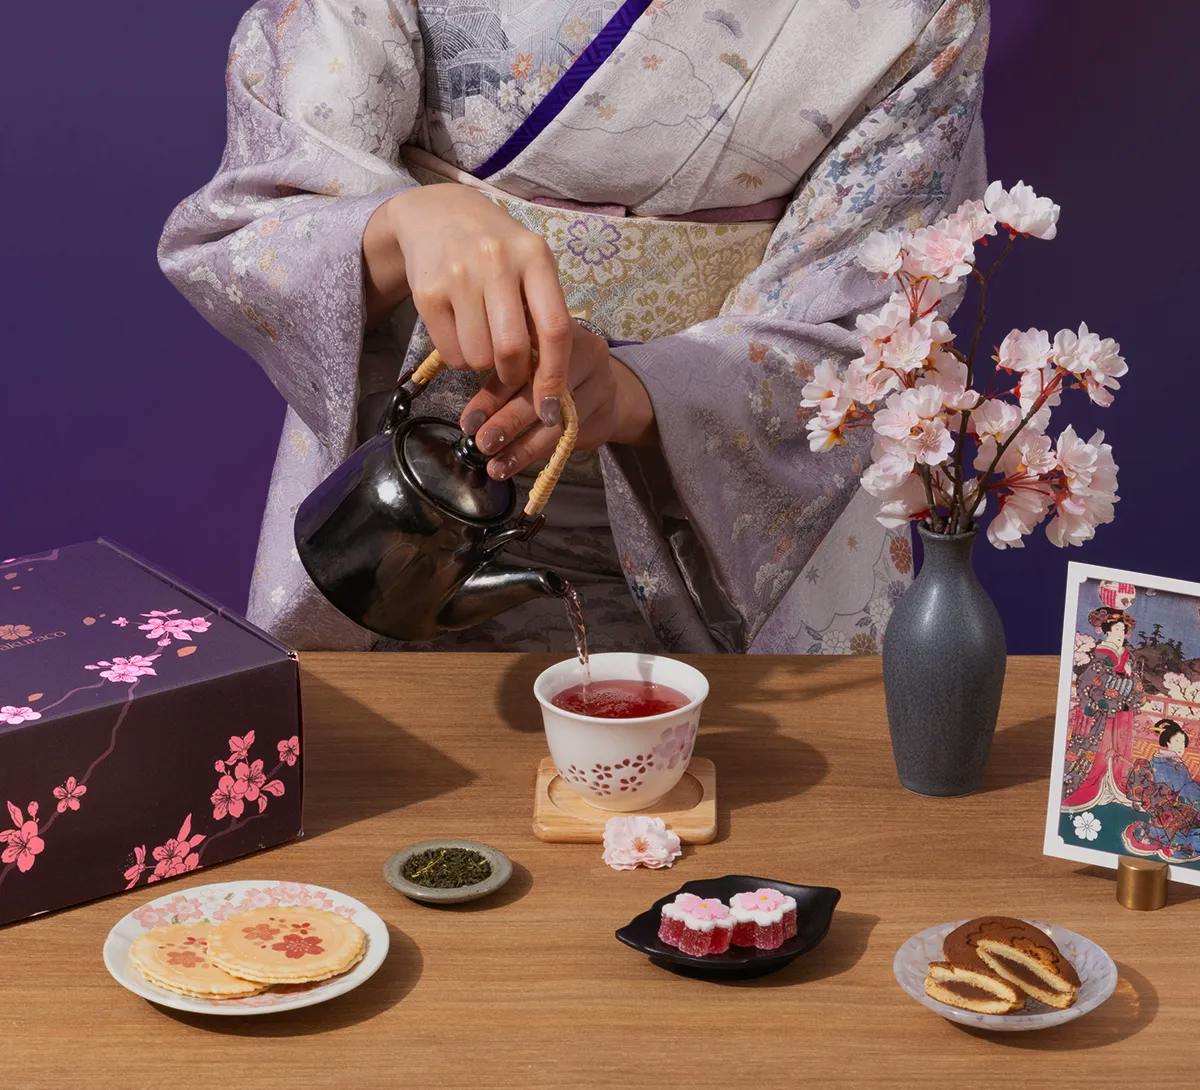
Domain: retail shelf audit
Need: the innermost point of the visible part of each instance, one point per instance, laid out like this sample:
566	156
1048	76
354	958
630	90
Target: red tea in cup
619	699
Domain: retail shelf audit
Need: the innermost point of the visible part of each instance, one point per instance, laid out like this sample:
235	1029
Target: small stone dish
393	873
814	913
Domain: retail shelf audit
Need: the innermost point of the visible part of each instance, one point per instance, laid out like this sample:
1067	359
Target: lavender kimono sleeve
715	523
320	96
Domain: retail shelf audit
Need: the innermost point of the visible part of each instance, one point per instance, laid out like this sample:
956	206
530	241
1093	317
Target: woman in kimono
692	181
1164	784
1109	691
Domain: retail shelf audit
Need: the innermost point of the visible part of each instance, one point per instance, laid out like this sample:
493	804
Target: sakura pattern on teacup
674	747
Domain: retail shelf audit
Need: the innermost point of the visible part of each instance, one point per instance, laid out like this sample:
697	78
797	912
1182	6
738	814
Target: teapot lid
447	466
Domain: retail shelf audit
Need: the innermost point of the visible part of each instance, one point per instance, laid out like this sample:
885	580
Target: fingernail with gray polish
504	468
474	421
491	442
551	413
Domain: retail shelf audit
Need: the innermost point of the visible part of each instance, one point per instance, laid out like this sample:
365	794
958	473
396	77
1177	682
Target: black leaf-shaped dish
814	913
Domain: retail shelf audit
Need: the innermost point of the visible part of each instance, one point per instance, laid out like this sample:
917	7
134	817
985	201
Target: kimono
1100	749
1163	787
705	177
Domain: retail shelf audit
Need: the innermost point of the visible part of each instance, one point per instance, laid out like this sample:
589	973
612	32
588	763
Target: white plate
1097	979
221	900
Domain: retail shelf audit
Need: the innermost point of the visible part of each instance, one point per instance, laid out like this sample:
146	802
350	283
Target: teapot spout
492	589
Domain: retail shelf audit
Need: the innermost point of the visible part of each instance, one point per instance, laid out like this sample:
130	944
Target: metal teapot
402	537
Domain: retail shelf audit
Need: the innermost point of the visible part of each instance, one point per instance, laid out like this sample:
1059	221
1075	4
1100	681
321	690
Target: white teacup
622	764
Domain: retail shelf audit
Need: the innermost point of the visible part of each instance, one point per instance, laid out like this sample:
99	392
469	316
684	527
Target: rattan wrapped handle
543	486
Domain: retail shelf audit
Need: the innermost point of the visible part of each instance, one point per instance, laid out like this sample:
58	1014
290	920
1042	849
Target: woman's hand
612	404
479	280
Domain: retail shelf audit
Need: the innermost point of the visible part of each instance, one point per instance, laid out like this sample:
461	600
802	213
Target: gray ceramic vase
943	669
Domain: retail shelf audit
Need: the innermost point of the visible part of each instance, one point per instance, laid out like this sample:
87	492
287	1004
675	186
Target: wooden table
530	988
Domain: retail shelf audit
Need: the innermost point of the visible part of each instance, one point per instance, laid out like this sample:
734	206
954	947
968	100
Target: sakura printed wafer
278	945
176	958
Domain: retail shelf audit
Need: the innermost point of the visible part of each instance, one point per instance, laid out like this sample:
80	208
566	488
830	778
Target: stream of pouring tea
574	606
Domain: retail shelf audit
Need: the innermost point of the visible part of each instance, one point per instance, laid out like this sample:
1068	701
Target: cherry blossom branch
82	688
927	480
1050	388
960	442
82	780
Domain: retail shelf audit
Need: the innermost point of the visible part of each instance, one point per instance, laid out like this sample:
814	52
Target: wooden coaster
690	808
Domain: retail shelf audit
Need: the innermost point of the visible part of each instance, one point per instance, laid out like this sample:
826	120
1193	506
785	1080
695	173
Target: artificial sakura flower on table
632	841
945	449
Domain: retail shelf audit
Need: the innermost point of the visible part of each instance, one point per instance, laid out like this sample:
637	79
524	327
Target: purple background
122	413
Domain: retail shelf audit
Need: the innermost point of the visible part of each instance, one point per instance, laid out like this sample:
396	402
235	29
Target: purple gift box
145	731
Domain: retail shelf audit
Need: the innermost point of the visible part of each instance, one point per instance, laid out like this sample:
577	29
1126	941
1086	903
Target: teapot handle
543	486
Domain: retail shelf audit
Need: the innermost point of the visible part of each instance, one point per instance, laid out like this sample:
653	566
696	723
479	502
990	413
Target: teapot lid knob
451	470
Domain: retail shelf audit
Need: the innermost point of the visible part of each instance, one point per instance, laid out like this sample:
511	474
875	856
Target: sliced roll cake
971	989
1017	952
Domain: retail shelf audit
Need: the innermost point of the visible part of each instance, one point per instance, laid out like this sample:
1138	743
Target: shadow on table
1020	754
838	953
1177	892
1129	1010
737	731
353	774
397	976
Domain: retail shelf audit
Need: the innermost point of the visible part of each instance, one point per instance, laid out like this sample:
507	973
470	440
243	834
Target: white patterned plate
1097	979
221	900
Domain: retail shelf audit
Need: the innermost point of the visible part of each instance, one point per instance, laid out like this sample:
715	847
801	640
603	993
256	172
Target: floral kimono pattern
833	120
1163	788
1099	755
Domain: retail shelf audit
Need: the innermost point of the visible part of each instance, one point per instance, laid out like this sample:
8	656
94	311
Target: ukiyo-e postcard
1126	773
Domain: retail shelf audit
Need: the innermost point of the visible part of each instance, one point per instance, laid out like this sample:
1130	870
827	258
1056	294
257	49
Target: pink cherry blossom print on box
145	731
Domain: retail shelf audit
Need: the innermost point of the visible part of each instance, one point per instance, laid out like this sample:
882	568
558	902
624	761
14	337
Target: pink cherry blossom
133	873
868	383
176	855
1021	210
908	348
949	375
289	750
632	841
943	254
227	798
828	427
127	669
902	504
166	625
913	420
994	420
880	252
1095	363
1021	509
12	714
69	794
710	909
1024	351
891	465
970	221
239	748
825	385
250	779
1089	491
21	843
121	622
